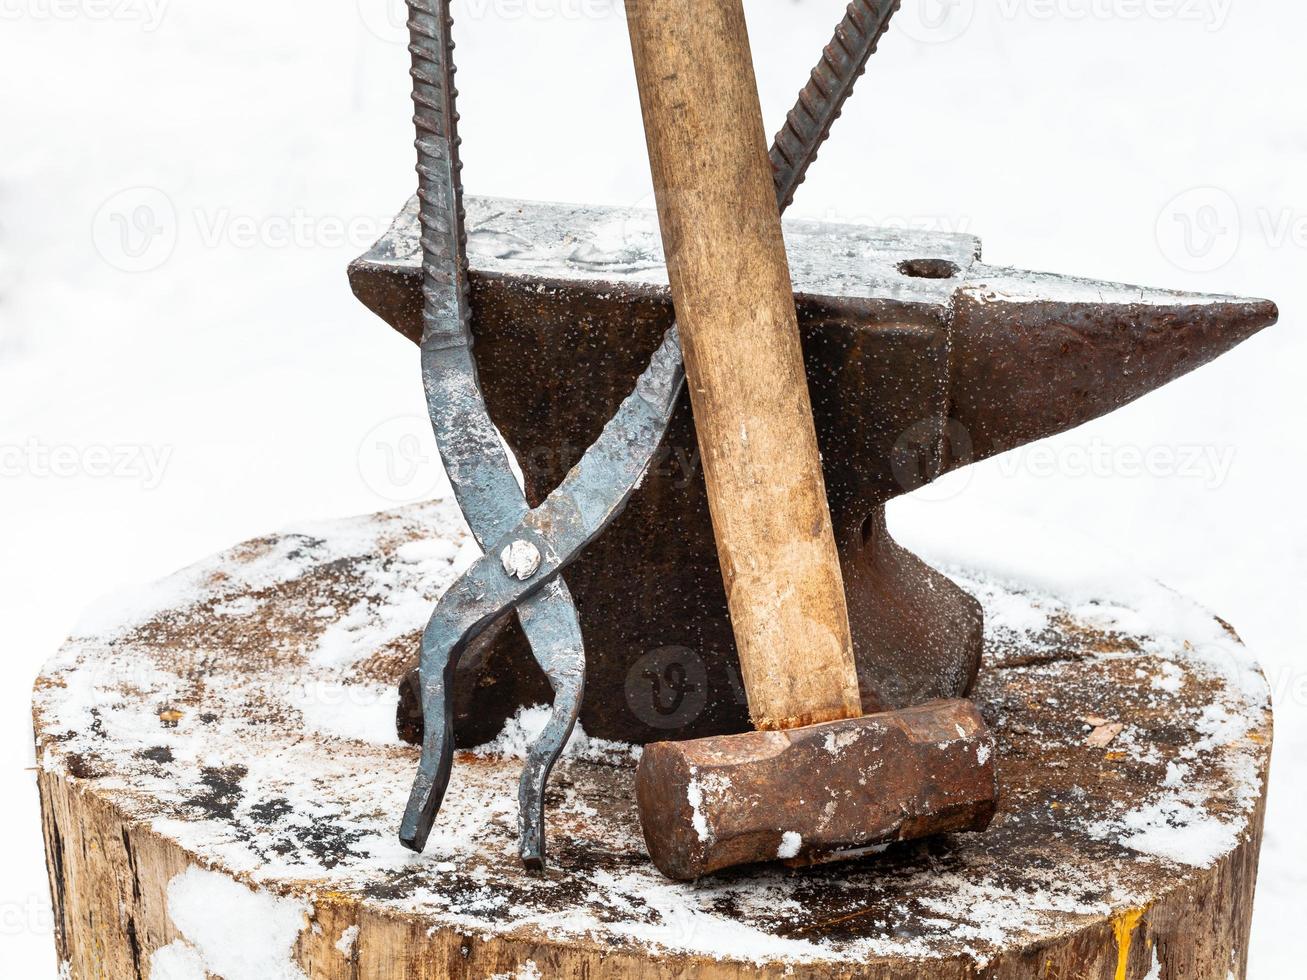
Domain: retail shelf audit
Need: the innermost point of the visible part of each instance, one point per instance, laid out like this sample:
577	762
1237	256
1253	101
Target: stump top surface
243	709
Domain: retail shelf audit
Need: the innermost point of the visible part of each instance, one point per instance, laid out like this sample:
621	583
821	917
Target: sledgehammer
816	781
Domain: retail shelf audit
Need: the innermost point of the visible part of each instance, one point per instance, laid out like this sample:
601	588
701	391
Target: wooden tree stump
221	786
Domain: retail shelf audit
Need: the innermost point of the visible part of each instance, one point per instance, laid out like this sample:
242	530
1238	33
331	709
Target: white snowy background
182	366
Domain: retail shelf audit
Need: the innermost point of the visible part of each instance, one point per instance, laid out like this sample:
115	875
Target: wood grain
731	286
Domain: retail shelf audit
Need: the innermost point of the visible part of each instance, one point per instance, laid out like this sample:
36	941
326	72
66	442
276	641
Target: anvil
920	359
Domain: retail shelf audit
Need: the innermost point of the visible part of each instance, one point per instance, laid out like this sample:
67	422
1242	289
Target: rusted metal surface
911	377
819	793
481	475
821	101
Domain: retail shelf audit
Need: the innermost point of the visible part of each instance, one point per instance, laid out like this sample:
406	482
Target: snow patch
527	971
694	796
364	712
519	732
686	926
346	941
1065	575
1175	827
836	742
791	844
179	960
1059	571
238	933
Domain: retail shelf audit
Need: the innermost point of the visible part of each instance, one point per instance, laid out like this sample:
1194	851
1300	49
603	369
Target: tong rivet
521	560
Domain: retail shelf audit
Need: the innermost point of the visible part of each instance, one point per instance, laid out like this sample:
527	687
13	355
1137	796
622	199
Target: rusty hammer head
815	794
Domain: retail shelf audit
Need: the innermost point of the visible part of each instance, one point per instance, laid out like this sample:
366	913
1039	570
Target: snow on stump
221	786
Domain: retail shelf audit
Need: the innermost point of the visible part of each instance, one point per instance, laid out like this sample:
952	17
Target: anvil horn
1030	355
1036	354
920	359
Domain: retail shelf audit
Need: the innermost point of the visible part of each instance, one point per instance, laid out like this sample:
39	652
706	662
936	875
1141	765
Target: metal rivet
521	560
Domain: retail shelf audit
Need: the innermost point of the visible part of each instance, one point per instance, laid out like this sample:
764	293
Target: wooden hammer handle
735	305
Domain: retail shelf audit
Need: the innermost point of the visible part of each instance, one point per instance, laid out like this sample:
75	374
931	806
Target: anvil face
920	359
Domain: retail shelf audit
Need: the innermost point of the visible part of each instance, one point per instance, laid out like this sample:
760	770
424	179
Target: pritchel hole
928	268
